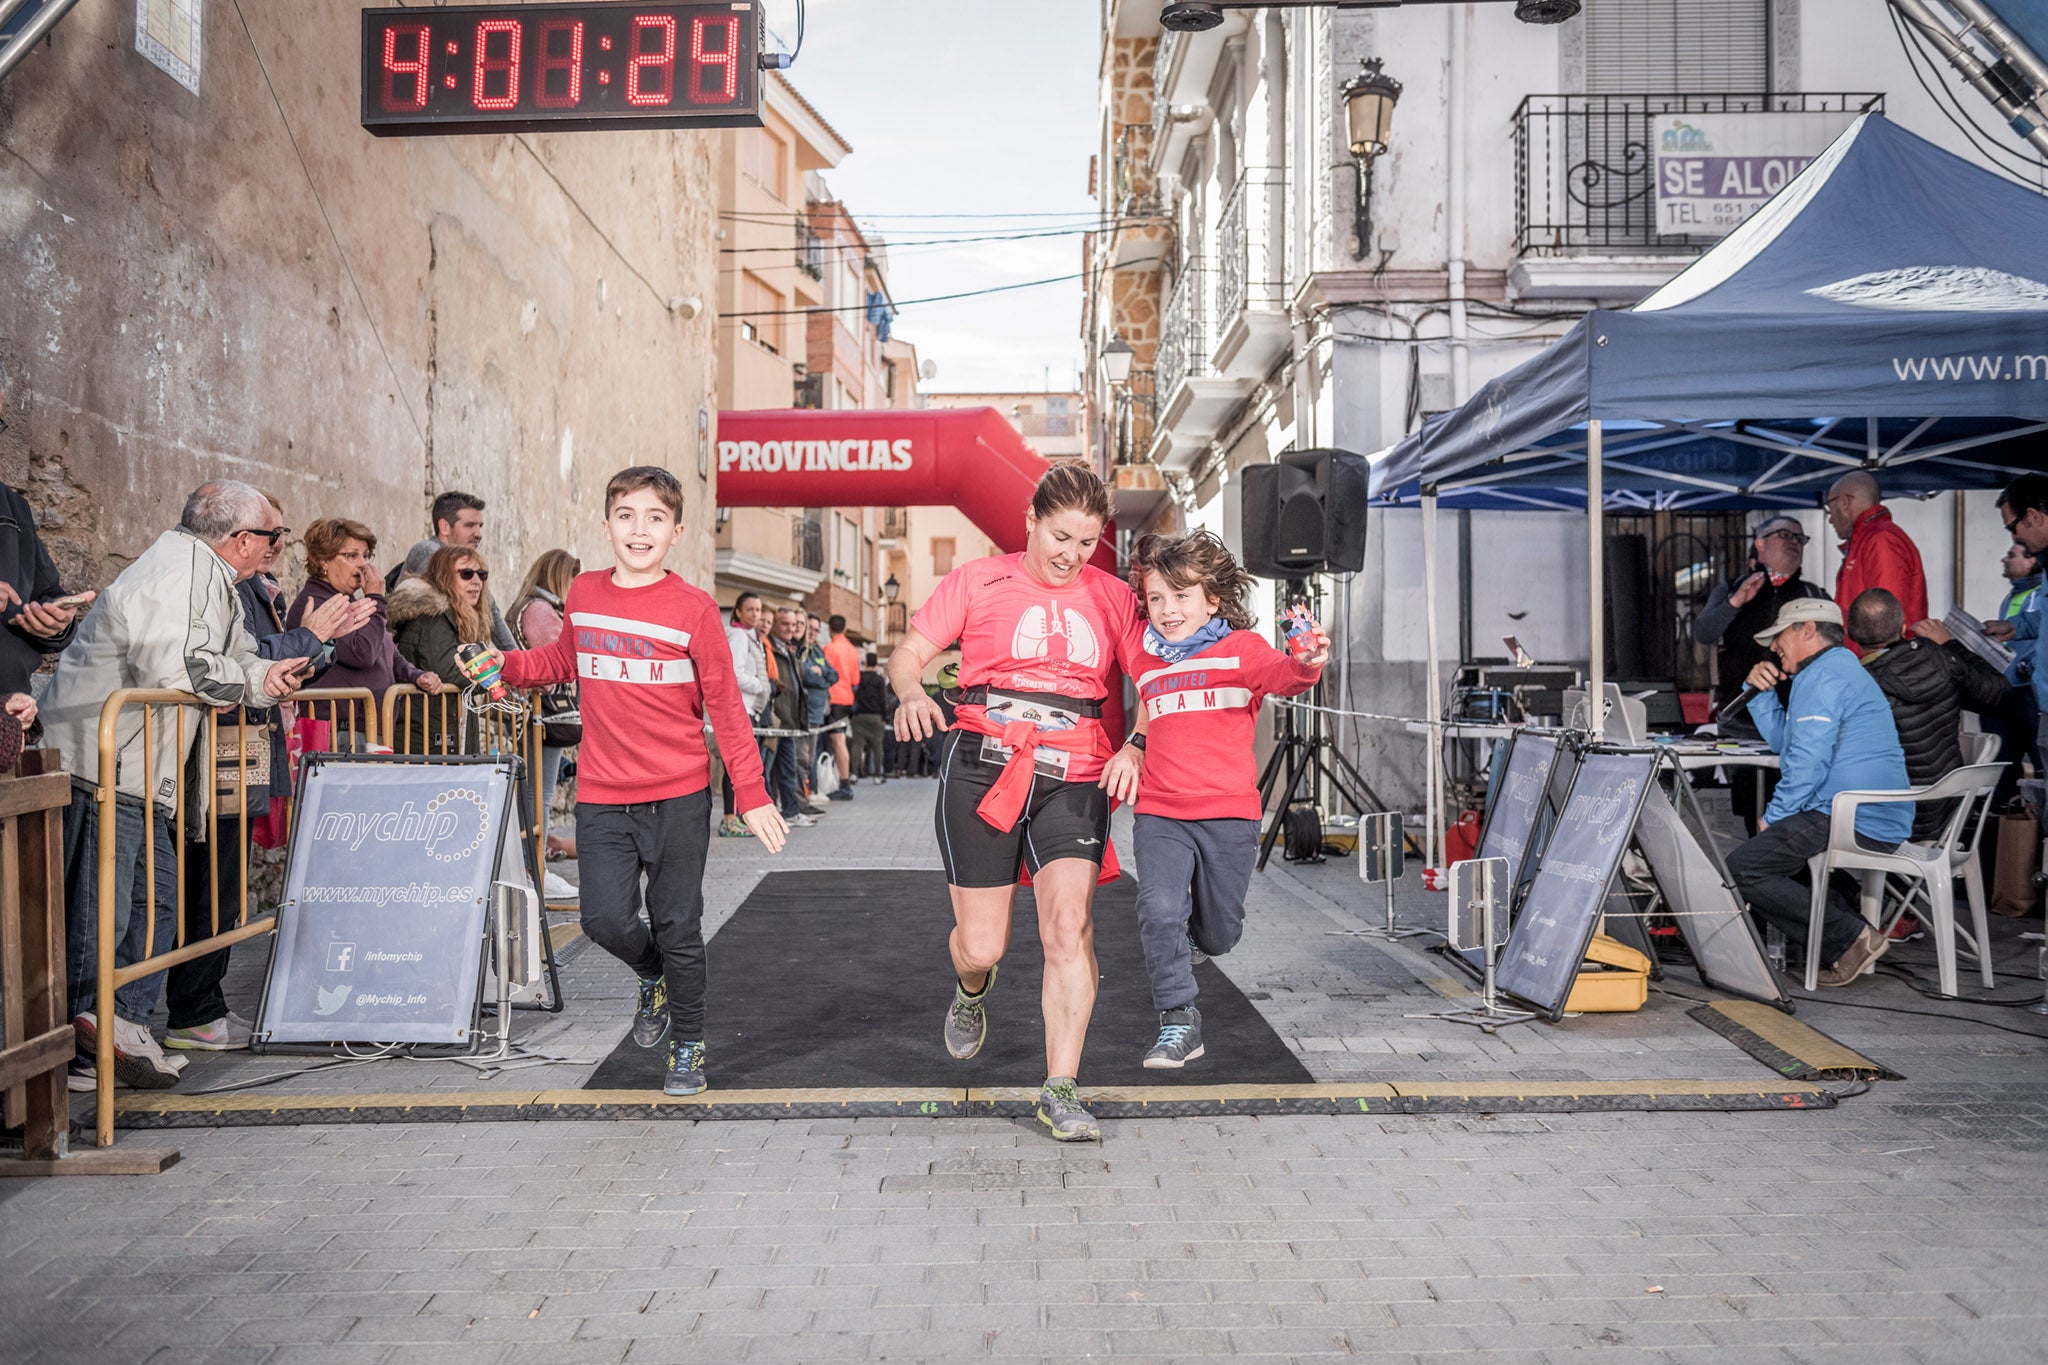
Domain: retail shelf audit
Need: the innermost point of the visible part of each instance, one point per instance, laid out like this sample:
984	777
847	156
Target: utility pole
2015	80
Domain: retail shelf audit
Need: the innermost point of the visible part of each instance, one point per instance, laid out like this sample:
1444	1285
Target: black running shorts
1060	820
837	712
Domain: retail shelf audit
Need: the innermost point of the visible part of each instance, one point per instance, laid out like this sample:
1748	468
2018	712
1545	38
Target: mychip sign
380	935
1714	170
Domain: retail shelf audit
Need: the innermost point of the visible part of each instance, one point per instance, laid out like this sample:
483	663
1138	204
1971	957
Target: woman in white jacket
750	665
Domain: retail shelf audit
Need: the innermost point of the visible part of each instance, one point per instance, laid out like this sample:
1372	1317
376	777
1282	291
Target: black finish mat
840	979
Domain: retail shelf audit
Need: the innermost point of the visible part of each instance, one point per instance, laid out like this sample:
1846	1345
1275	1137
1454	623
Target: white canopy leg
1432	784
1596	681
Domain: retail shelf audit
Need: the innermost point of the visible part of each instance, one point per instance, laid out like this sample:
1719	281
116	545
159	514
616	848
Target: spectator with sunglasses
172	619
433	614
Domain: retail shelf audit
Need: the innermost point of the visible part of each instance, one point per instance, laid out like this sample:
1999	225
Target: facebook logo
340	956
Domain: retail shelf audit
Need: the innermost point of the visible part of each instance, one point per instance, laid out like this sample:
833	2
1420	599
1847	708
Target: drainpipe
1454	202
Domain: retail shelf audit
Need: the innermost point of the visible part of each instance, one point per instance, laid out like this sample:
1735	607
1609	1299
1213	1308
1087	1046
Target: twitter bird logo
331	999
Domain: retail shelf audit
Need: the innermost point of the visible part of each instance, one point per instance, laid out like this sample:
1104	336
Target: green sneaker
650	1021
1059	1108
685	1069
1196	957
967	1021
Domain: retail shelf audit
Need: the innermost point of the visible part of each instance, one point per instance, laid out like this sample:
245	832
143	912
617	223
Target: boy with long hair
1201	672
650	656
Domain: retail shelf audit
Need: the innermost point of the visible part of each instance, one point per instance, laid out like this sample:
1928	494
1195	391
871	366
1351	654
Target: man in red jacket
1876	553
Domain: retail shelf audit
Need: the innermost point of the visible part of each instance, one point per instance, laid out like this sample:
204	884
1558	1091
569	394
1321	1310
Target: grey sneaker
650	1021
1059	1108
1196	957
967	1020
685	1069
1180	1039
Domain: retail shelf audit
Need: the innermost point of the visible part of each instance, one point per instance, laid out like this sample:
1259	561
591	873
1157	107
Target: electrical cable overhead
1945	101
900	304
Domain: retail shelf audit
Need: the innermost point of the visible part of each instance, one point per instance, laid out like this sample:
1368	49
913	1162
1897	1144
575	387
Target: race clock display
541	68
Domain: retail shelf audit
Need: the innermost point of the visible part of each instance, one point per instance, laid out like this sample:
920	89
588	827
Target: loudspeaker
1304	514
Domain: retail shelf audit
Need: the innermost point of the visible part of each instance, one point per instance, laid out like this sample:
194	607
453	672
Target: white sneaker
137	1041
139	1063
229	1033
555	887
802	820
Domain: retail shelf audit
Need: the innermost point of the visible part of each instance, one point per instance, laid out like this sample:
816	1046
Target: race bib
1006	708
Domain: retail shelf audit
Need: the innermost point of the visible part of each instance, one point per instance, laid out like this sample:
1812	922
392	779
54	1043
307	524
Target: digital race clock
517	68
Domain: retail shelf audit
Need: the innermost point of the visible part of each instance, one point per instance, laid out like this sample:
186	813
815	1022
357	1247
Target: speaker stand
1303	756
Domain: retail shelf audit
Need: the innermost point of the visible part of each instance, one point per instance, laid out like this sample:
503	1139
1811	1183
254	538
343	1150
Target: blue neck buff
1173	653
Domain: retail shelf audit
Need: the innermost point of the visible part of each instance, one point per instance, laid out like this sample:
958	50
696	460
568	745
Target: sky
965	107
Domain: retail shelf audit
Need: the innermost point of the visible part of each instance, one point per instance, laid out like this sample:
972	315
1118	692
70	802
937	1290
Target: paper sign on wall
171	33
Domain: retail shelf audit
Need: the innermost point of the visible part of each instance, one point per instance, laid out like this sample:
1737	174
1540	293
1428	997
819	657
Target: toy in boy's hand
483	666
1304	636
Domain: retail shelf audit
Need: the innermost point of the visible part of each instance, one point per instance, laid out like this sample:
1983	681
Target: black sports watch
1136	741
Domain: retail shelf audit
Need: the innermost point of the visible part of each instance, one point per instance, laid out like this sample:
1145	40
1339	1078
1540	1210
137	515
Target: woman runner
1019	777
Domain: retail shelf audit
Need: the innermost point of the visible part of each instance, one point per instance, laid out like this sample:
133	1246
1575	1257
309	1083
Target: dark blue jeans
137	1000
1770	874
782	776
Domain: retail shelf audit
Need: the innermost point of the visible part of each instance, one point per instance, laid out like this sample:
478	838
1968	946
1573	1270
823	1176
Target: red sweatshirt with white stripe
649	664
1202	713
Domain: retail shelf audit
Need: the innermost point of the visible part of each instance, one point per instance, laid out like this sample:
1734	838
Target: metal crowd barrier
358	703
417	722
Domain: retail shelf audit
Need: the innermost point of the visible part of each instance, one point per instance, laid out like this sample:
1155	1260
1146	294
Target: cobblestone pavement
1910	1223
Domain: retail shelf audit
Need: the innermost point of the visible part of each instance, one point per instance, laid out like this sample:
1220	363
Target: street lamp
890	587
1115	361
1369	99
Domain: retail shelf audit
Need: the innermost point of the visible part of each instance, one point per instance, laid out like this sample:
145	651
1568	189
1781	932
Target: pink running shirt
1023	635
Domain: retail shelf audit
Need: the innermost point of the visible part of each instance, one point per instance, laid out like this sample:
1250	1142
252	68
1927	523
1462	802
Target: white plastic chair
1986	746
1930	869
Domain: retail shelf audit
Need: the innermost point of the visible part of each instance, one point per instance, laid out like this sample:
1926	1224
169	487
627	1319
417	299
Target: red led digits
638	89
487	65
550	62
724	63
395	67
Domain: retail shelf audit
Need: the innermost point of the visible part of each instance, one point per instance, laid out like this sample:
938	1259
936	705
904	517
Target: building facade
805	322
1275	296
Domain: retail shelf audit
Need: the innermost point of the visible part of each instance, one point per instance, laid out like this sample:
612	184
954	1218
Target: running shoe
650	1021
685	1069
802	820
967	1020
1196	957
732	827
1059	1108
139	1063
229	1033
840	794
1180	1039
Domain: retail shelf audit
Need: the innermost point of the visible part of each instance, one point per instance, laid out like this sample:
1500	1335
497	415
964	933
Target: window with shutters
942	555
1672	47
760	309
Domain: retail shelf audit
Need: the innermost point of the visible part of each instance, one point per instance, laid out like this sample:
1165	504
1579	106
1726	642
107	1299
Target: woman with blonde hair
432	615
536	623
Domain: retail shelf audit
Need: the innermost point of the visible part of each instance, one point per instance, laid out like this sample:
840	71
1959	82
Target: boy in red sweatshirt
1201	673
650	659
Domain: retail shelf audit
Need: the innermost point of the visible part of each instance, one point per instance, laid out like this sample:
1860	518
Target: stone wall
244	283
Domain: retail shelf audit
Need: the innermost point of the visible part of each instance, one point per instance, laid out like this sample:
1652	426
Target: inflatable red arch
968	458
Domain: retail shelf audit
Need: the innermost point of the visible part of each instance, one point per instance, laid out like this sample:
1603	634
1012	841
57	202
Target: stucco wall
245	283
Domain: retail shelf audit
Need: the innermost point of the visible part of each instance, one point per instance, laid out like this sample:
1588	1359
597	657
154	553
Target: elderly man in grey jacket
172	620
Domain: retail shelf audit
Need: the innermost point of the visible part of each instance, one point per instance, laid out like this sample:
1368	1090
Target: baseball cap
1801	609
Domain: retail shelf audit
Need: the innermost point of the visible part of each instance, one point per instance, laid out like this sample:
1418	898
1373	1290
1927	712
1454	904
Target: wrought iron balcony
807	540
1586	166
1250	269
1135	183
1134	415
1185	338
810	252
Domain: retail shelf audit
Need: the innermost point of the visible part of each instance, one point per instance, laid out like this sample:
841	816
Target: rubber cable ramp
1786	1045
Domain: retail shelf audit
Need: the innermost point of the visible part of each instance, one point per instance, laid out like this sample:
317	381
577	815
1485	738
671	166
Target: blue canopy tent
1887	310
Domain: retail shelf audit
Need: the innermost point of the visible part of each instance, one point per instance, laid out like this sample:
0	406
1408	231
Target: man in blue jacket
1835	734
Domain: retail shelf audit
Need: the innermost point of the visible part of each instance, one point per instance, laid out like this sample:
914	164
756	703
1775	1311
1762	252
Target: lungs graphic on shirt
1041	625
